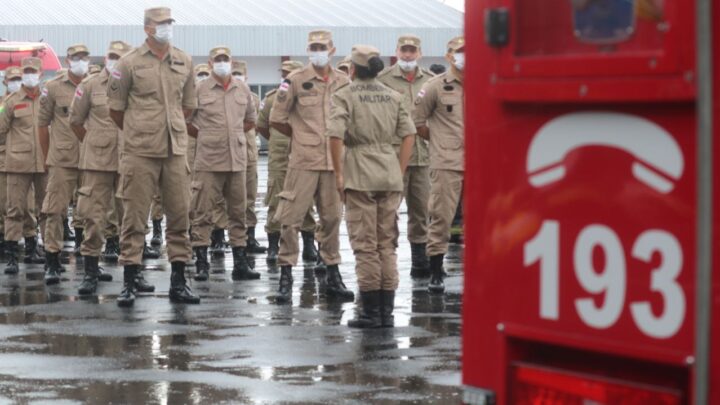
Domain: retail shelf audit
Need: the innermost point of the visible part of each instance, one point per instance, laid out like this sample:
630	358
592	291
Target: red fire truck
590	230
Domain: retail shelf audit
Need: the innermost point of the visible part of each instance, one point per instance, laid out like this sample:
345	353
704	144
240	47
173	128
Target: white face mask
31	80
79	67
239	77
110	64
319	58
460	60
13	86
222	69
163	33
407	66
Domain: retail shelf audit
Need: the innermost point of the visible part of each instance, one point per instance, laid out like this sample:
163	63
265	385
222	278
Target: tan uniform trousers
114	222
29	224
18	187
156	210
95	199
446	187
372	222
417	196
301	187
140	178
276	180
252	189
208	188
61	185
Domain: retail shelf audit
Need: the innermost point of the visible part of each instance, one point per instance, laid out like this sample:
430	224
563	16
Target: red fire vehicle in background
12	53
590	223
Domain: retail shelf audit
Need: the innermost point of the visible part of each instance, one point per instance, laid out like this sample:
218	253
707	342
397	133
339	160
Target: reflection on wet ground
238	346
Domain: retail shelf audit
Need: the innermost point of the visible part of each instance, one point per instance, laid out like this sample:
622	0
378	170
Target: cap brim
326	42
162	21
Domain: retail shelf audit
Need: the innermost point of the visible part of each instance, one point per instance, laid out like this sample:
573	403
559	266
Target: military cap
32	62
344	63
361	54
119	48
92	69
456	43
409	39
202	68
13	72
322	37
158	14
219	50
291	65
239	66
76	49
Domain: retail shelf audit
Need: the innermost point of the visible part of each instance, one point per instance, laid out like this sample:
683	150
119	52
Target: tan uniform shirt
153	94
303	101
393	78
19	132
221	141
99	149
64	149
278	144
440	106
251	136
3	139
368	115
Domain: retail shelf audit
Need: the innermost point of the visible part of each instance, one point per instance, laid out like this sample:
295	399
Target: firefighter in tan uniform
367	117
24	158
407	78
253	246
439	118
90	120
300	111
62	148
278	151
226	111
151	91
13	82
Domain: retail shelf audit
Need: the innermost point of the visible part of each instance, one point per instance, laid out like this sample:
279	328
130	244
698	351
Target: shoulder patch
44	92
284	87
79	92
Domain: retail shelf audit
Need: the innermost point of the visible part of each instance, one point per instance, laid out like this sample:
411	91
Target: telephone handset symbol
659	161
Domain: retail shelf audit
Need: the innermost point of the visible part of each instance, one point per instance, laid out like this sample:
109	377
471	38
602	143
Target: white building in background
261	32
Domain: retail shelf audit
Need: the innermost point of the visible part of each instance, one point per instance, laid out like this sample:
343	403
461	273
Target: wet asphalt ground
237	346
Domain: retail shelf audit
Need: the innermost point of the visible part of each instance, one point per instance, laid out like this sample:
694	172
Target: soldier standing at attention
225	113
24	158
367	117
151	92
439	118
62	148
300	111
278	151
407	78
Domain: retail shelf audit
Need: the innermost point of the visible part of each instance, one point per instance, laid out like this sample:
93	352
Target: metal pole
705	199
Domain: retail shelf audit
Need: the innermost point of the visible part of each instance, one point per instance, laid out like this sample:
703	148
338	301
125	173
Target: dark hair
375	66
437	68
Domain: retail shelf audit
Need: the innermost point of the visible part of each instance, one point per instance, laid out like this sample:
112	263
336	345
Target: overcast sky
458	4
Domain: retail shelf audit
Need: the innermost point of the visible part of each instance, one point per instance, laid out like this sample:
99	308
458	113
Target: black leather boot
90	281
11	251
420	265
127	296
104	276
253	246
335	286
79	235
52	270
436	285
141	285
284	293
320	267
179	291
32	256
309	253
202	267
150	252
369	316
273	247
157	236
112	250
217	243
67	233
2	244
387	306
241	267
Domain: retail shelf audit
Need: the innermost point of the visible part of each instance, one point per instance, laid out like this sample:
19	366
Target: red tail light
532	385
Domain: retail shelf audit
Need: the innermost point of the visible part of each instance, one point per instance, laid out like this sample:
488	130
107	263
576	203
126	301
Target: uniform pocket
145	81
21	147
85	191
451	143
